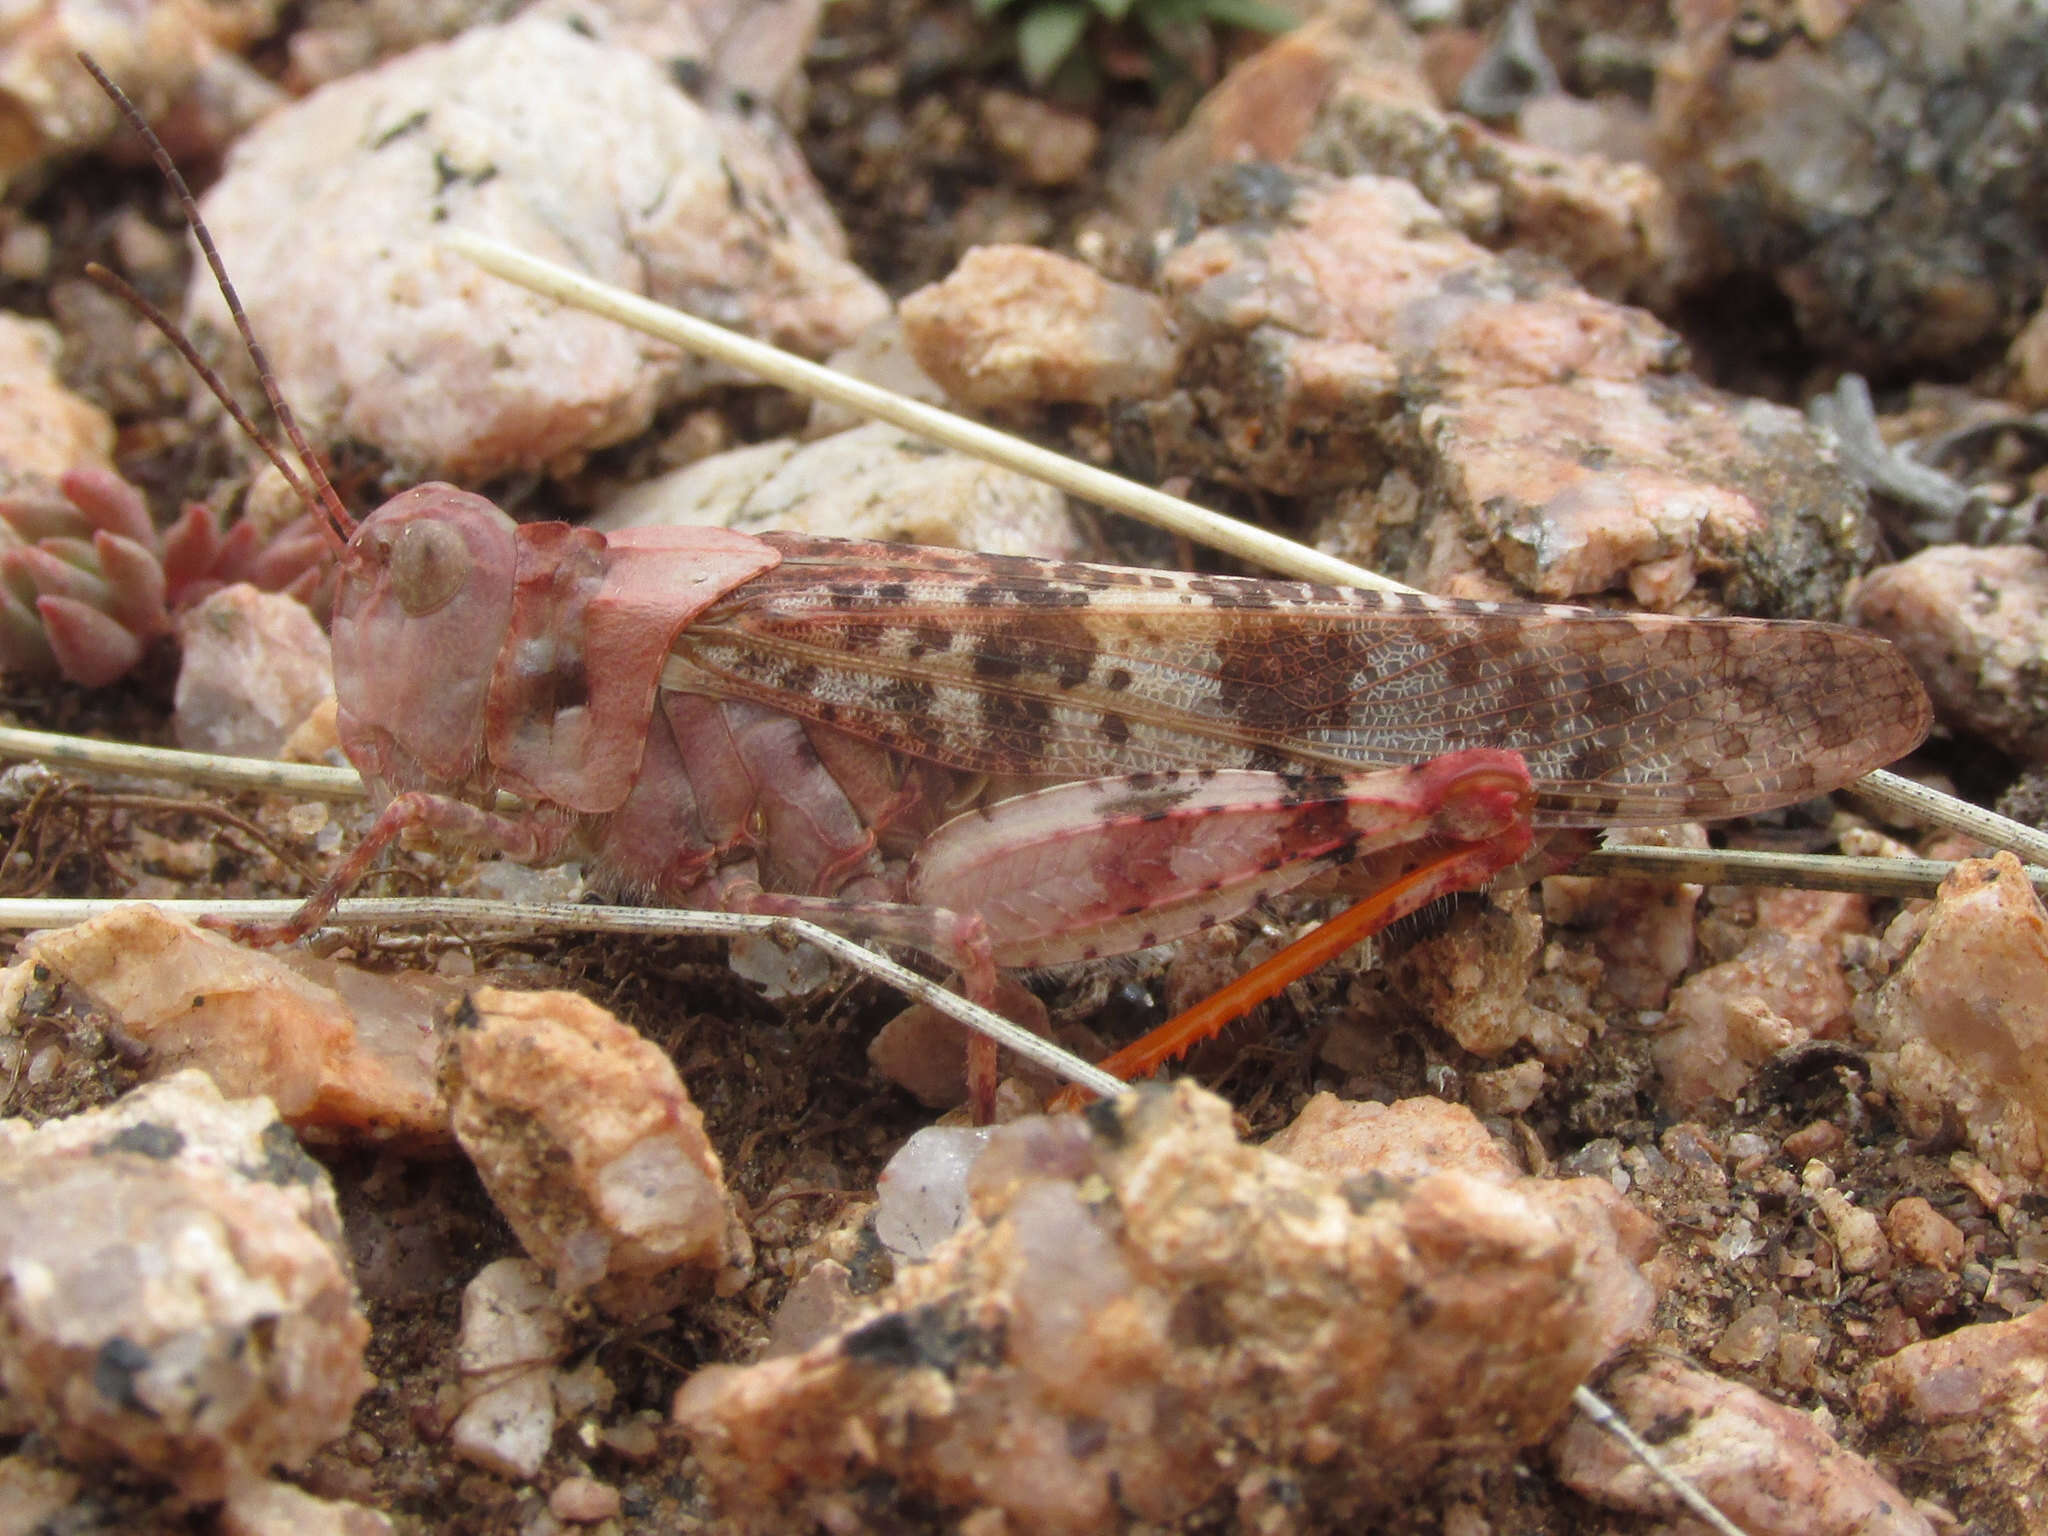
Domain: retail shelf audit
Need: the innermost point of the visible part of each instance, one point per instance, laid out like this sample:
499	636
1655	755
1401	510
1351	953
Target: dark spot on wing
995	667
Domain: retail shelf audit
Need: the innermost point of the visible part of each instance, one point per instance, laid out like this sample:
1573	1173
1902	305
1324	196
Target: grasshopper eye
429	563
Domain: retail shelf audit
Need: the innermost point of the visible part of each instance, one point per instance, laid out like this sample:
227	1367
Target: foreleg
533	838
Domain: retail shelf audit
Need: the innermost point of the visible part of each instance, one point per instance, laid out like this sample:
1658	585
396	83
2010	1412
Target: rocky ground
1571	303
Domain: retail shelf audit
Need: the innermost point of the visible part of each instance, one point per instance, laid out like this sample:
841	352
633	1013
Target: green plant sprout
1179	36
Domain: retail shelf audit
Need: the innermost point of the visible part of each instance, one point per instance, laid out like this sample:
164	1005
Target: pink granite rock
1014	326
344	1054
176	1294
1350	96
1770	1469
1144	1316
1414	1138
1479	428
870	482
45	429
590	1146
1960	1031
1410	1139
1642	929
1974	623
575	149
514	1332
33	1494
1472	981
254	666
1729	1019
1976	1398
1049	146
271	1508
1924	1235
175	58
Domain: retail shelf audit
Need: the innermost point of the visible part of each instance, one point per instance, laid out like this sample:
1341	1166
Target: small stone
1816	1140
45	429
1643	929
751	53
820	1302
25	252
1821	915
1978	1399
1771	1470
635	1439
315	739
1796	1359
1924	1235
1368	1144
583	1390
176	71
32	1495
1858	1235
871	482
1980	1181
1749	1340
1729	1019
174	1287
1048	146
1351	96
1472	981
583	1500
344	1054
1692	1149
1407	1140
254	665
1506	1090
270	1508
880	356
1017	326
922	1190
781	972
924	1052
1960	1030
1342	340
1974	623
590	1146
513	1332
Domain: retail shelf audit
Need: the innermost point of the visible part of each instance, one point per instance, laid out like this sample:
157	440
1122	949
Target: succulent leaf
91	648
87	582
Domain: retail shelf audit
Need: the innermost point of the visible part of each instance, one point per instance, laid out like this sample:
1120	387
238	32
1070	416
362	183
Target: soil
800	1120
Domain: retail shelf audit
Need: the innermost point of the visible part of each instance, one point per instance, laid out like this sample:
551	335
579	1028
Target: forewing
1058	671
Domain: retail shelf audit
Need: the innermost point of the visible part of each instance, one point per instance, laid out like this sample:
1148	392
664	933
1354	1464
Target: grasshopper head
424	600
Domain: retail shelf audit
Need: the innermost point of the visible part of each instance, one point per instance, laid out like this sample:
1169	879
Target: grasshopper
1006	763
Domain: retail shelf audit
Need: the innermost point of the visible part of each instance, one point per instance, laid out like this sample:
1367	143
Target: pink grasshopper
1008	763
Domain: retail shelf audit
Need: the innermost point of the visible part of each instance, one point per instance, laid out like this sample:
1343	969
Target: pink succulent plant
87	582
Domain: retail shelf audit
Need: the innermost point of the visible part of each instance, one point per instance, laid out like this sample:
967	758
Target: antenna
319	494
